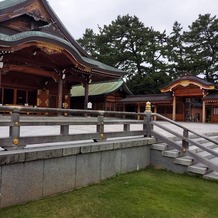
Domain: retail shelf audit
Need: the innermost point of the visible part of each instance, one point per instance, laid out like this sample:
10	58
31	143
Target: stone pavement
201	128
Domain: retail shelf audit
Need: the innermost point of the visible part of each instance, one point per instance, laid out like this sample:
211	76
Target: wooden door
42	98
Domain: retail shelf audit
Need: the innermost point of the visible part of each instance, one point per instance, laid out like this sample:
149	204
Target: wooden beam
30	70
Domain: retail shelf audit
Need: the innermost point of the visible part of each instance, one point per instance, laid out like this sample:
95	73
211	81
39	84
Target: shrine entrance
187	98
189	92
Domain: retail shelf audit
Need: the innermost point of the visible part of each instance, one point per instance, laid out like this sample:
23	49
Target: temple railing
184	139
98	120
66	119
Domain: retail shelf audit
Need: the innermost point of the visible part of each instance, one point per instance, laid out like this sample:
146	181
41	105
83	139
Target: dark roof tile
153	98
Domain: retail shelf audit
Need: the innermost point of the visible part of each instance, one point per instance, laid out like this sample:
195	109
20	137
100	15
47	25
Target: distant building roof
211	97
153	98
100	88
189	79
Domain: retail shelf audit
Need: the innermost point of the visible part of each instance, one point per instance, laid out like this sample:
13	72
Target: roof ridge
10	3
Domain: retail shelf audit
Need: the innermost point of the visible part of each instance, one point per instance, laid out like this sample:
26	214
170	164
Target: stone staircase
164	156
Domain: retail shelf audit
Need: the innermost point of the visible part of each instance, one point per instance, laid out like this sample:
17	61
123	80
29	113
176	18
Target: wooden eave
31	7
50	42
47	39
39	10
153	98
211	97
186	83
30	70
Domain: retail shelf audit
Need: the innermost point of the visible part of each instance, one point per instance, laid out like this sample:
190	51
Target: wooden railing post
185	144
126	127
147	120
64	129
100	126
15	129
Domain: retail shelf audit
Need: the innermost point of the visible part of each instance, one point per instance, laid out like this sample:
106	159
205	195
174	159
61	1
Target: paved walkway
202	128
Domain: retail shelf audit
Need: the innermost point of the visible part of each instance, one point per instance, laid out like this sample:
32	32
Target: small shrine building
102	96
187	98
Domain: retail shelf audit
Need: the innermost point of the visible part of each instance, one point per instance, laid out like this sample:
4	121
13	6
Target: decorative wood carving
52	29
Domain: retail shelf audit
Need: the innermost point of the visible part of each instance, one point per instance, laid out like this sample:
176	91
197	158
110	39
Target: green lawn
149	193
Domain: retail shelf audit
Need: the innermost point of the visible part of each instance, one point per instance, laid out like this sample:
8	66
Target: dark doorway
8	97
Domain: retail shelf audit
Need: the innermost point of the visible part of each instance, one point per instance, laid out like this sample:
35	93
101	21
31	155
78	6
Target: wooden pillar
138	111
86	96
0	88
174	107
60	92
155	111
203	112
124	110
124	107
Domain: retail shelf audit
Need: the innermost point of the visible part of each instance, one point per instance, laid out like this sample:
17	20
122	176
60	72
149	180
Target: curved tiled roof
33	35
195	79
10	3
211	97
69	44
30	35
185	80
153	98
100	88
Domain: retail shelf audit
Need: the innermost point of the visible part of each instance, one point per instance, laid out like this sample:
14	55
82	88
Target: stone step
202	140
159	146
205	154
214	160
192	166
185	160
194	148
212	175
211	145
211	134
171	153
198	169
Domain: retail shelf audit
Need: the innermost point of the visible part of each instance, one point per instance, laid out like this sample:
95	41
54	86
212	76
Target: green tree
156	51
128	45
88	42
202	47
122	44
148	84
152	58
176	53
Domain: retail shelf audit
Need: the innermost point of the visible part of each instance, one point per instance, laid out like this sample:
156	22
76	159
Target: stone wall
31	174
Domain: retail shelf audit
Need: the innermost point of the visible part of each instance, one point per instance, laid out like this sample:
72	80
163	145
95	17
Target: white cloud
160	14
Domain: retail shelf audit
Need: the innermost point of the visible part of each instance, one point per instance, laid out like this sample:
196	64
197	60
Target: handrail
184	148
185	128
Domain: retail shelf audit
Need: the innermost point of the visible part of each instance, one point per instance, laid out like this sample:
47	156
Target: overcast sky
159	14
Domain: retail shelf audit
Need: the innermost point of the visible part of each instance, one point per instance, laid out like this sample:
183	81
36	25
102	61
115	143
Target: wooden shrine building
187	98
102	96
40	60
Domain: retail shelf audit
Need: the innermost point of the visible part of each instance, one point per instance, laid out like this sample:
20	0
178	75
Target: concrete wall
31	174
157	160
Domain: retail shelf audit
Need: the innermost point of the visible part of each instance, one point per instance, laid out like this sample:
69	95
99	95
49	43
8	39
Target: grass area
149	193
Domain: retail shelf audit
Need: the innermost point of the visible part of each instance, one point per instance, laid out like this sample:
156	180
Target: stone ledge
42	153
